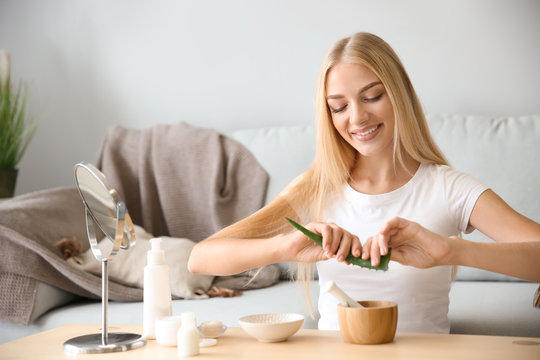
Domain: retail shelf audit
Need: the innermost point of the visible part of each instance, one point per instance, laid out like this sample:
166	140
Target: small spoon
343	298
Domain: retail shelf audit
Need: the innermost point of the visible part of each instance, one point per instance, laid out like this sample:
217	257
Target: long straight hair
334	158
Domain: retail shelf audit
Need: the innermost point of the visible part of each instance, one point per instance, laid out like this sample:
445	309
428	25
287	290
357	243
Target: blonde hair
335	157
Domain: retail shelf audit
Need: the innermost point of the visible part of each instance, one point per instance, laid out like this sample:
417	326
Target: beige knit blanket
177	180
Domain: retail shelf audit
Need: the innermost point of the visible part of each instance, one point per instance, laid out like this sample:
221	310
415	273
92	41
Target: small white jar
167	330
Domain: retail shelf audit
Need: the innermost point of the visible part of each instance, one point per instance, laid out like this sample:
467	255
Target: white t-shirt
437	197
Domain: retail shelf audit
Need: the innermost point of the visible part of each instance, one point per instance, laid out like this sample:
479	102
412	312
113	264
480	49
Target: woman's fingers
344	247
326	233
366	249
394	226
337	241
338	237
375	252
375	247
356	248
382	241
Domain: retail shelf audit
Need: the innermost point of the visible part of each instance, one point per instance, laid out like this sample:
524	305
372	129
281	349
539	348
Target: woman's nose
359	115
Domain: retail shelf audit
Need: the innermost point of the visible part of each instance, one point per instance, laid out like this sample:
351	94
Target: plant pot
8	179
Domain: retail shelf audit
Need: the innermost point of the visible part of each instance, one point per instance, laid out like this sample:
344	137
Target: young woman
375	161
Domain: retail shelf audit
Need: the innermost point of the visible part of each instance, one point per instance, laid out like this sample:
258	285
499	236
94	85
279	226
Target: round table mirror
101	202
108	214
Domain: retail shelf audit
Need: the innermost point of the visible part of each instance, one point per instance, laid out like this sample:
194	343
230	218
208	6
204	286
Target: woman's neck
376	176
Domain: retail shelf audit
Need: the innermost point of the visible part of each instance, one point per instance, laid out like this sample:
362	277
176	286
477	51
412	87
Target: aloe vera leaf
383	265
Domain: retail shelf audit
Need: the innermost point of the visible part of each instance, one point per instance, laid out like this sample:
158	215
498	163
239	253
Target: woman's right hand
337	242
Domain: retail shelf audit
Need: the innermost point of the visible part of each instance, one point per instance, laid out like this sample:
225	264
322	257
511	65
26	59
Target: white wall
246	63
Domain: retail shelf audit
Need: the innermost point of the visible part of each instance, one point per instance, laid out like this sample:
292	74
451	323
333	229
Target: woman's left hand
411	244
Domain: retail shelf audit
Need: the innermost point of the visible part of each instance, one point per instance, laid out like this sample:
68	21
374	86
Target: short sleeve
462	191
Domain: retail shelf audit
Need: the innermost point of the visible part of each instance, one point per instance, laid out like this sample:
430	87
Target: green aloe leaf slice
350	259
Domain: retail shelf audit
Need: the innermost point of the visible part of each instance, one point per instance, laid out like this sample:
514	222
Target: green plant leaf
15	131
350	258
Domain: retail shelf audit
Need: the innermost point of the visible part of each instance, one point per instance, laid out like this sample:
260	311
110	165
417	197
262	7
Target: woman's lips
367	134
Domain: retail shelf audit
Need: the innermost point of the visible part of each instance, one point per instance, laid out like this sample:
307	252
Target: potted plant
15	131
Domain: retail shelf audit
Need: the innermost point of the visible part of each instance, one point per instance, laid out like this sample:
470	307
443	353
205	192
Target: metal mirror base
93	343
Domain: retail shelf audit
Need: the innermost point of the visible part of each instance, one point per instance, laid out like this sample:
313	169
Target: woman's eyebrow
367	87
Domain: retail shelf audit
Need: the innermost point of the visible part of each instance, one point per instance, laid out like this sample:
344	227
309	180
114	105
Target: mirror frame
125	232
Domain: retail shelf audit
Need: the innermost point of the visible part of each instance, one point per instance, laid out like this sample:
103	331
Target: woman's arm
519	259
515	253
493	217
266	238
517	248
255	241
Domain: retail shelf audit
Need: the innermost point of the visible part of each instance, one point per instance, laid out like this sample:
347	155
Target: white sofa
502	152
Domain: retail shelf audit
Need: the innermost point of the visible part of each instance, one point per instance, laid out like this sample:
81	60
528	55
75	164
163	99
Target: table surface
305	344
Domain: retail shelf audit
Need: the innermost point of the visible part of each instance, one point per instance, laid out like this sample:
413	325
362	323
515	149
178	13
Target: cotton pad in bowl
272	327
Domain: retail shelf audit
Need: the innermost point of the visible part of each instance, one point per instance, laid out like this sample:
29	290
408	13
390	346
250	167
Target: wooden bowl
375	323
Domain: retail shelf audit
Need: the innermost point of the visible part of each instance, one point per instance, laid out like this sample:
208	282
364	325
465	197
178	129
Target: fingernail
383	251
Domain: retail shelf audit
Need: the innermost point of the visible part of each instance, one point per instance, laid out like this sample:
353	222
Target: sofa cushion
284	152
49	297
494	308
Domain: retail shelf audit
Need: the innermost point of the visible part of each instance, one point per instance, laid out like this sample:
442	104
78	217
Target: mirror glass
100	199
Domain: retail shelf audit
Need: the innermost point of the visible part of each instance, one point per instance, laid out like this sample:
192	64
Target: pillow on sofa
127	267
284	152
49	297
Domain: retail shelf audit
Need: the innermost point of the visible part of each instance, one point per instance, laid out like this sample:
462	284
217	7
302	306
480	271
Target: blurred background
236	64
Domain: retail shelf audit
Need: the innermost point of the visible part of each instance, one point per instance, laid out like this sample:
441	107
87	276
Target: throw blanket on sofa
180	180
177	180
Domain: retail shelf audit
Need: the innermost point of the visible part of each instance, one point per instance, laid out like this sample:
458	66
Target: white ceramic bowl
271	327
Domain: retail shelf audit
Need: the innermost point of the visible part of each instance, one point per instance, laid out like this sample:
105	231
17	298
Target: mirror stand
105	342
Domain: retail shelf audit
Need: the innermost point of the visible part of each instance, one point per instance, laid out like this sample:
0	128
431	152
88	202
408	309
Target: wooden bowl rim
385	305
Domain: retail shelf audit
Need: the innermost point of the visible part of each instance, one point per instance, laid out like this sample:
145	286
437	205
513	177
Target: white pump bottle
157	301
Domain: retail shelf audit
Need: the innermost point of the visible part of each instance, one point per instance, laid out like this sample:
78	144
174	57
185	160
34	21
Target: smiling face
361	110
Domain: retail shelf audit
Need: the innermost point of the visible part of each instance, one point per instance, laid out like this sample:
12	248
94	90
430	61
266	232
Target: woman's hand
411	244
337	242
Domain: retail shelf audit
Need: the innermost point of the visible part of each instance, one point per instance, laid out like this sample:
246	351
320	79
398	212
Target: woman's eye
340	109
373	99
